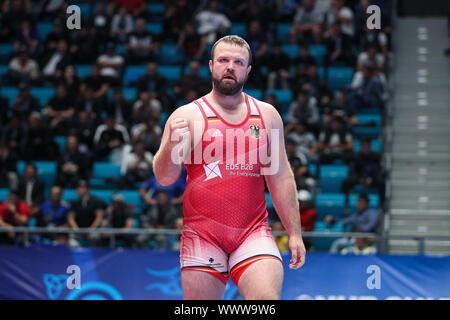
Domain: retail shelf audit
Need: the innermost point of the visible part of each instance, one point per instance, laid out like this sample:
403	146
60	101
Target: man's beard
229	88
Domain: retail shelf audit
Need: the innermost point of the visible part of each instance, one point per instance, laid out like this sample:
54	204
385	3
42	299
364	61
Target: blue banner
44	273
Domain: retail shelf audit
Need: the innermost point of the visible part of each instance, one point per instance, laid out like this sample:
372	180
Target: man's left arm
283	192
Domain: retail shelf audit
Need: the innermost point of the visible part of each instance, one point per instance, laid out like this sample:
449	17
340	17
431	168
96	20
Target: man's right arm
179	127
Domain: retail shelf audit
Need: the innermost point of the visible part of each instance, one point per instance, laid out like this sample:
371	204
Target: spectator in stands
371	55
58	34
31	188
365	170
192	44
156	84
13	213
176	245
118	216
305	141
282	241
141	45
304	109
97	82
14	135
377	38
13	14
361	245
340	107
87	102
85	130
87	211
120	107
28	40
307	214
54	62
258	41
110	137
162	215
212	23
307	23
23	69
151	188
73	165
52	213
340	13
176	16
136	166
4	109
150	132
299	166
39	144
278	64
335	142
191	81
145	106
25	103
71	81
365	220
59	111
100	23
111	65
339	46
8	168
303	61
368	92
85	45
121	25
135	7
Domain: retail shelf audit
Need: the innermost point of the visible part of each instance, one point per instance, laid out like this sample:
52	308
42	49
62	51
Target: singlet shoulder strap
205	108
254	111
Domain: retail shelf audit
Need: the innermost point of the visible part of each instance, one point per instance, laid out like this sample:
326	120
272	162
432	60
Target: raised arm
283	190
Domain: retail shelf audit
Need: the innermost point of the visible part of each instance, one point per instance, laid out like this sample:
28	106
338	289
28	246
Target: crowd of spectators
99	126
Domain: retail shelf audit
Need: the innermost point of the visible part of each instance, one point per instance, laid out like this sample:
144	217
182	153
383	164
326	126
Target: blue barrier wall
40	273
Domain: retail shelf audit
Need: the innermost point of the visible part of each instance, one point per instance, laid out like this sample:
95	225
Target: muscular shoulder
271	117
188	111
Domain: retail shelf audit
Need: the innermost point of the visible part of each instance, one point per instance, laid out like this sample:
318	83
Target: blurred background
367	125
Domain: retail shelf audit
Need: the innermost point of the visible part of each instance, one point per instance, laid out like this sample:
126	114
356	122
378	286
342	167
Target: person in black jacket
73	165
335	142
31	189
278	64
339	46
39	140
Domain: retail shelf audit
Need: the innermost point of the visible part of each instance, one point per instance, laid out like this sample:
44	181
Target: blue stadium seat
330	203
83	71
5	51
269	201
323	244
156	8
104	175
338	77
312	168
132	74
46	171
169	54
4	194
204	72
368	132
10	93
61	142
331	177
163	118
284	98
154	28
318	52
43	29
86	10
172	73
353	198
255	93
103	194
283	32
70	195
375	145
291	50
43	95
130	94
3	69
238	29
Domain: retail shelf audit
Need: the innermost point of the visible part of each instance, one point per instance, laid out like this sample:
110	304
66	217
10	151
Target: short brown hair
236	40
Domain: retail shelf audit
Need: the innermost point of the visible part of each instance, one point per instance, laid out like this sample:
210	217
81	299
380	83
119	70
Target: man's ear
249	69
210	65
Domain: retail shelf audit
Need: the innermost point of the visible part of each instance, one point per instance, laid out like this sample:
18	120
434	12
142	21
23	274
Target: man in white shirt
211	22
110	63
338	12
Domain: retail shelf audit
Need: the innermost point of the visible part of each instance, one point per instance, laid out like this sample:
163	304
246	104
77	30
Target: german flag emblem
254	131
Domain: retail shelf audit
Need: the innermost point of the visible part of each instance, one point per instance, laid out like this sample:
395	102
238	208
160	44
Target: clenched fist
179	139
